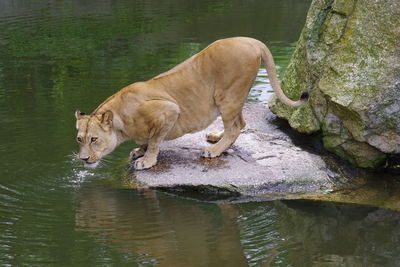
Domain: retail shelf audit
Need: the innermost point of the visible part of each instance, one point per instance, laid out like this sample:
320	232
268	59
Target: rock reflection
160	229
331	234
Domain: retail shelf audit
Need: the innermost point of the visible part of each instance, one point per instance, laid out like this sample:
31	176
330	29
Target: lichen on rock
348	58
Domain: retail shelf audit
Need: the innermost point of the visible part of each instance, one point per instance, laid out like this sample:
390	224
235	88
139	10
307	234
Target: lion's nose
84	159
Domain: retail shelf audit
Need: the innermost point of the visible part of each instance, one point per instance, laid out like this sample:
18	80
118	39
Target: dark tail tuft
304	96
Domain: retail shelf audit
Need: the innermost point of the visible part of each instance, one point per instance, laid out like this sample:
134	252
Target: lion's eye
79	139
93	139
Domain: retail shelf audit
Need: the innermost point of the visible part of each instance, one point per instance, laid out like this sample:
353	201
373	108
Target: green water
59	56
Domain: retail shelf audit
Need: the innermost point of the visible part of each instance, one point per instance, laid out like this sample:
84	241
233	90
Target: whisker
107	160
73	157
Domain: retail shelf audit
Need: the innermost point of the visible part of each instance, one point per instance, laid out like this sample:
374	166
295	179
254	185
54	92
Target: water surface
59	56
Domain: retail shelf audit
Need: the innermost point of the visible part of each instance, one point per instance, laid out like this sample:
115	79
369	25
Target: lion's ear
107	118
79	114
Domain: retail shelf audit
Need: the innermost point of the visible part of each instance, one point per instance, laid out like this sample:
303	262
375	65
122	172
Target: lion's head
95	137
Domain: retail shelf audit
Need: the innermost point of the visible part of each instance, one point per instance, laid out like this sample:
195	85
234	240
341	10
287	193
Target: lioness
185	99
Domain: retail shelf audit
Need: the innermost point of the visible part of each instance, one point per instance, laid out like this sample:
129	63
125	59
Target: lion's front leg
149	159
160	117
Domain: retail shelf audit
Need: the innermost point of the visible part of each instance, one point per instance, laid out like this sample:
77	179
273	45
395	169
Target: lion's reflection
168	230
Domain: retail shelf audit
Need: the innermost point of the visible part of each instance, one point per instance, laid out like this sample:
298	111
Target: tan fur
183	100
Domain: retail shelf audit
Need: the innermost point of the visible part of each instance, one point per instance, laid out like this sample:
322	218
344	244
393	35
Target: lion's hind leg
214	137
228	136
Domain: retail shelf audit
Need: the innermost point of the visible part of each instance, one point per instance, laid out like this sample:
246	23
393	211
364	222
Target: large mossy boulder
348	58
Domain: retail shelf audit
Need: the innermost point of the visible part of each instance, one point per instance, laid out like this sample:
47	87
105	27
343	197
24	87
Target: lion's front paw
144	163
209	153
137	153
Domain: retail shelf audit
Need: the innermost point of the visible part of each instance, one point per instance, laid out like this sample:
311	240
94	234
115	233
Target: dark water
58	56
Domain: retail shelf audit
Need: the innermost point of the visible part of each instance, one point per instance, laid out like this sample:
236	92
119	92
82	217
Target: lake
57	56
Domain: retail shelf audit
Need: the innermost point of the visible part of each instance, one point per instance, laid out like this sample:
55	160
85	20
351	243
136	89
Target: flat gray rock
262	162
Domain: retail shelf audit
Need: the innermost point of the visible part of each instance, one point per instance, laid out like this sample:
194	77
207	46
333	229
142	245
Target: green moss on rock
304	120
335	25
344	7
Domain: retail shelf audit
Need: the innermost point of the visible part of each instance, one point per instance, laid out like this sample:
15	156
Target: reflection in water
155	228
379	190
340	235
162	229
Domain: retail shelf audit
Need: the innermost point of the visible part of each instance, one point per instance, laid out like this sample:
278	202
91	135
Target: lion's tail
270	66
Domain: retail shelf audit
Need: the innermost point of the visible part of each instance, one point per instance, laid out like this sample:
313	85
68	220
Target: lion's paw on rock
143	163
208	153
